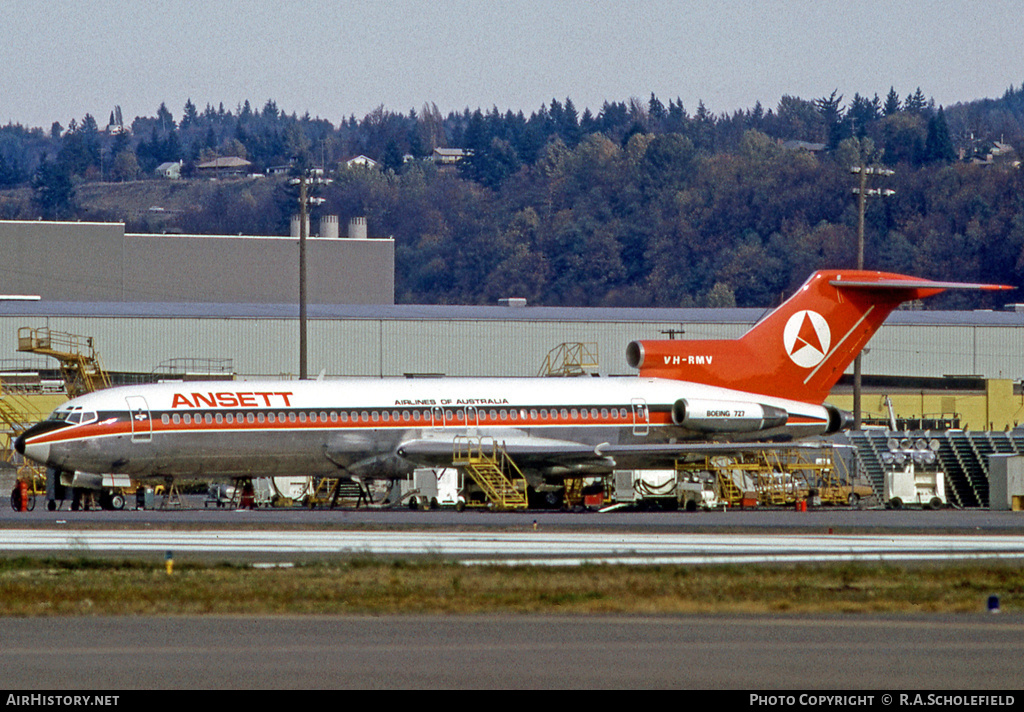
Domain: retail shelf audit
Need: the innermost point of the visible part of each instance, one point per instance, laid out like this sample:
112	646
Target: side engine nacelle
709	416
838	420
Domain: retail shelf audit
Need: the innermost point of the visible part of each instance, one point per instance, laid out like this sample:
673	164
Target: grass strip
83	586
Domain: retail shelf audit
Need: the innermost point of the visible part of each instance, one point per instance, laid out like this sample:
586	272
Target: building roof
797	145
435	312
224	162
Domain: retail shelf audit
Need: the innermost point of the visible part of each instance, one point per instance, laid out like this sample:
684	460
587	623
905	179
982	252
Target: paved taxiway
884	654
978	651
527	537
530	547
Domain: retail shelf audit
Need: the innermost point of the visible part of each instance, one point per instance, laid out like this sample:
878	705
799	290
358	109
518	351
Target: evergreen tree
916	102
190	116
938	147
52	190
830	109
892	103
165	119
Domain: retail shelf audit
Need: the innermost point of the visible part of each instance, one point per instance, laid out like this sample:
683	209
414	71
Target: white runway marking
532	548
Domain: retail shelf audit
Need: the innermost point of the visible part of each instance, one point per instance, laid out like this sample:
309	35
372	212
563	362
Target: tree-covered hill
639	204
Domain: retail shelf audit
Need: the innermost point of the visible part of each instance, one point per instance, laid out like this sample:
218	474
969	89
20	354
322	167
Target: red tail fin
801	349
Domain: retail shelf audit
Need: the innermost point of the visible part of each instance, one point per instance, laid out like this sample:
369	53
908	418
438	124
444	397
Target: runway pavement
879	654
979	651
548	537
532	547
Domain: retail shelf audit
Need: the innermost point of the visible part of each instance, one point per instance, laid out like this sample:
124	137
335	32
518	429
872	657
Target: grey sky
340	57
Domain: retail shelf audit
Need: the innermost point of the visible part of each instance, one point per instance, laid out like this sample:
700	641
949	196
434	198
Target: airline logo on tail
807	338
823	327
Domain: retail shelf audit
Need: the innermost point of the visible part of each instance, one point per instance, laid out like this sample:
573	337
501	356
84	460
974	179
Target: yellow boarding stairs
721	467
570	359
16	415
79	363
487	463
778	477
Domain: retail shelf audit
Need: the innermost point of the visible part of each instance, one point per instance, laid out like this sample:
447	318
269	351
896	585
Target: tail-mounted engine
709	416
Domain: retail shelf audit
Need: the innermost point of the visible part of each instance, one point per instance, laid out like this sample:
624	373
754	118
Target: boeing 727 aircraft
691	397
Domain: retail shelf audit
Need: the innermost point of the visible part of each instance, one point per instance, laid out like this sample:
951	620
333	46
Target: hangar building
147	299
99	262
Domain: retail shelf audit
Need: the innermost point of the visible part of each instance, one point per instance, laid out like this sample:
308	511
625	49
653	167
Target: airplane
691	397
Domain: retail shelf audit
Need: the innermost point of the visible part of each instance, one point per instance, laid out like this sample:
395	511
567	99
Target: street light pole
302	278
862	198
304	202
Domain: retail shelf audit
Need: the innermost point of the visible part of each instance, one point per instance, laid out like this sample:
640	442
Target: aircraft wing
525	451
574	458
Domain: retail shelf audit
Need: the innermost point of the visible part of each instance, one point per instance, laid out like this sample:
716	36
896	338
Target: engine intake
838	420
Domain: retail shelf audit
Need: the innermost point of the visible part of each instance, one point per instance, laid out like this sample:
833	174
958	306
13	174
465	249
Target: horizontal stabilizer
912	283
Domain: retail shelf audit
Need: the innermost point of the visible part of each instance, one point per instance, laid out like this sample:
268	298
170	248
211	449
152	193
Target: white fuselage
387	426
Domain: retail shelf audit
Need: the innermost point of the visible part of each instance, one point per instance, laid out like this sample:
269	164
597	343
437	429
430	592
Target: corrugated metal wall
960	350
467	347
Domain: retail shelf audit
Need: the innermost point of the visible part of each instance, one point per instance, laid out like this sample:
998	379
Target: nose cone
39	452
28	444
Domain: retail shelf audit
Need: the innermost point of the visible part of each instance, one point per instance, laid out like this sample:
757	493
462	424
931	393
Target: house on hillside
224	167
171	170
797	145
448	156
361	161
1000	153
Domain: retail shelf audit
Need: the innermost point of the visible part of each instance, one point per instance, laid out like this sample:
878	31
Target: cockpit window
74	416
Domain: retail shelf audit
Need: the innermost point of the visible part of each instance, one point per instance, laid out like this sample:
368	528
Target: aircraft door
142	424
471	416
437	415
641	417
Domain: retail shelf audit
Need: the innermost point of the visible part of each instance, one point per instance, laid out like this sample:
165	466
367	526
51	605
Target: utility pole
303	373
863	192
304	202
